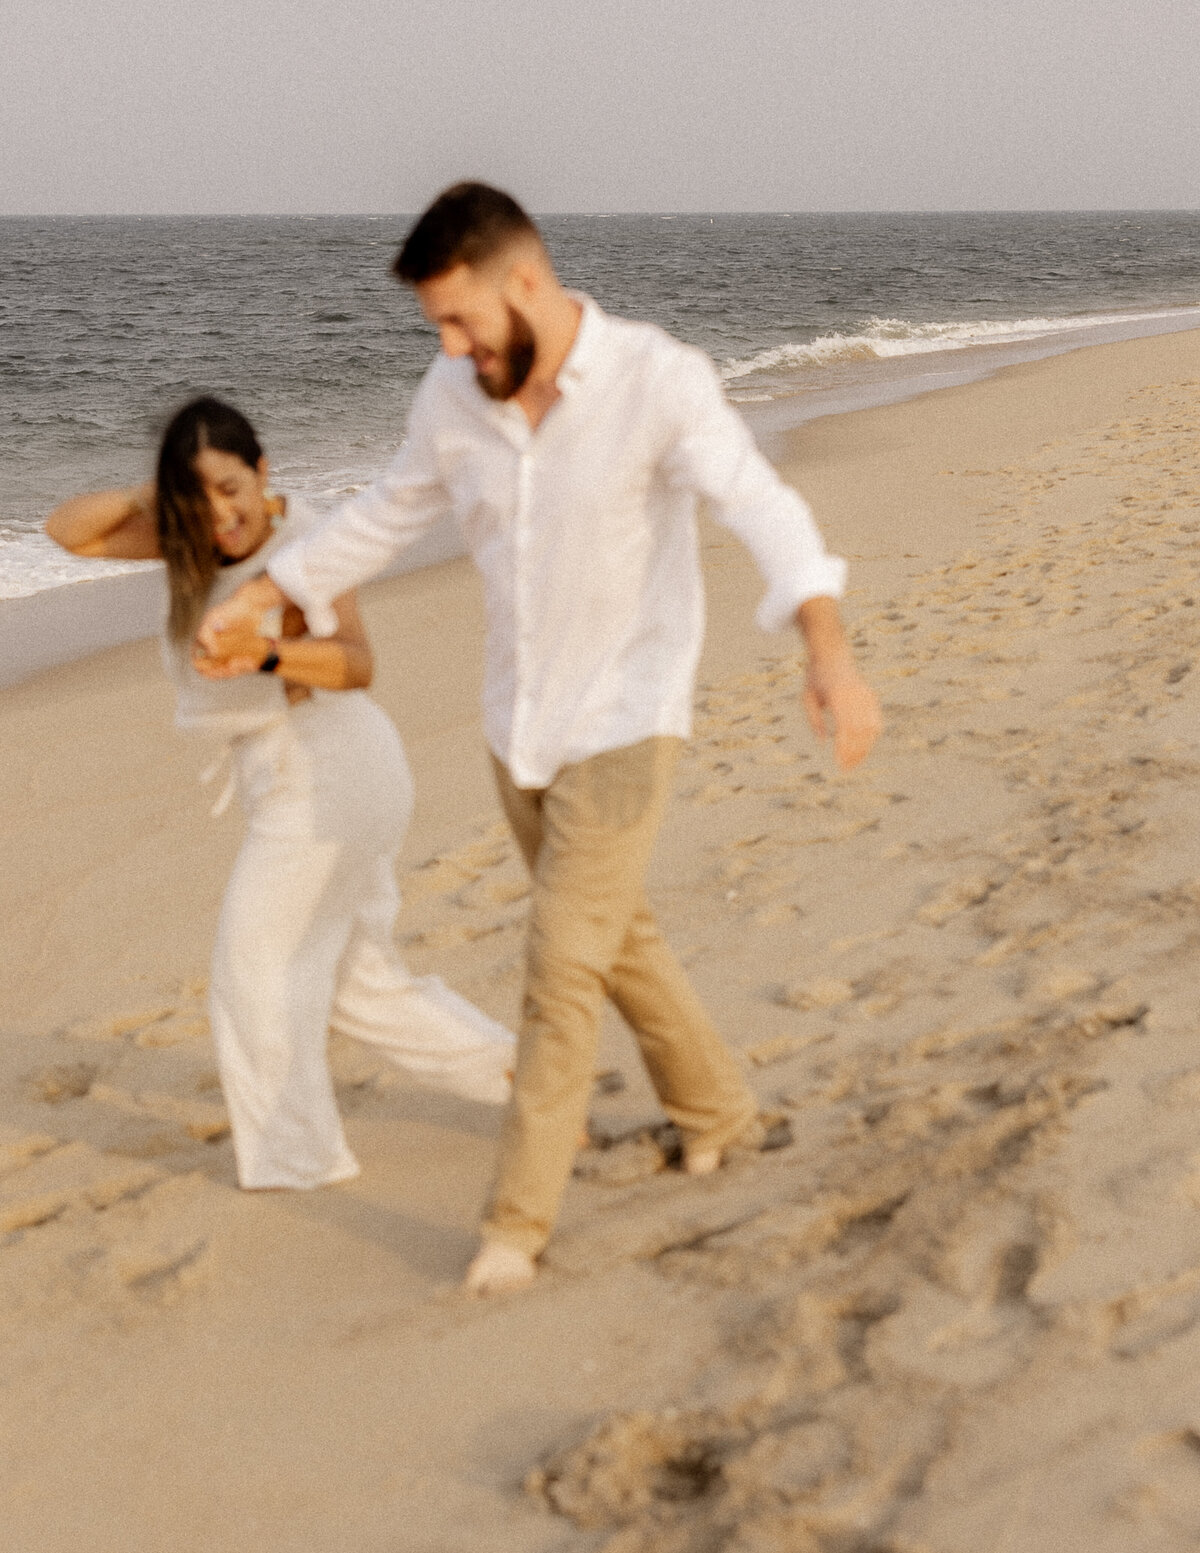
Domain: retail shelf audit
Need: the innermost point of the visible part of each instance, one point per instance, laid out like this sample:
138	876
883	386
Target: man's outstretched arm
715	455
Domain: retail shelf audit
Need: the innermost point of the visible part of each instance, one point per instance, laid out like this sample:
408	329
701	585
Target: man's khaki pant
587	840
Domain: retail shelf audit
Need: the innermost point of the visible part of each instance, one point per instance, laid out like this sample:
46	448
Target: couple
571	447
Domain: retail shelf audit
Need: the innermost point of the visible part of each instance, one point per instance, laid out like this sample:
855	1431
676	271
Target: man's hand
834	691
240	650
242	611
838	694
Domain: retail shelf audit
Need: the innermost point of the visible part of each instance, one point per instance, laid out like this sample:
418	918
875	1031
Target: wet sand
961	1310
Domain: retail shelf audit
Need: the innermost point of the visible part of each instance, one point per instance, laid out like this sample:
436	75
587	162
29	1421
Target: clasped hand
240	649
230	640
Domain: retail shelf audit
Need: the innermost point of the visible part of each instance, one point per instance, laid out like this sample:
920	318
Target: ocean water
106	325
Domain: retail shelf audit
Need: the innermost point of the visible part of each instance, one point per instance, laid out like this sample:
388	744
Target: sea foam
30	562
885	338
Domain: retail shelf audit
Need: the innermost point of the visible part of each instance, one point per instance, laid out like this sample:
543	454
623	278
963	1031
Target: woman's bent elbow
58	533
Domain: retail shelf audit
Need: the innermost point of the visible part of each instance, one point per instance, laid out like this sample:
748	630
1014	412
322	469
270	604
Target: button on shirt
584	531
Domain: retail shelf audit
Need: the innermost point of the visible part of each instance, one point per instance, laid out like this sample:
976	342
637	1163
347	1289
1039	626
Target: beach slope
961	1310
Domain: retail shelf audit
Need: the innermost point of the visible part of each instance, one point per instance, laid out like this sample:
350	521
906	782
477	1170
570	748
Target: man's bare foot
701	1162
498	1268
760	1137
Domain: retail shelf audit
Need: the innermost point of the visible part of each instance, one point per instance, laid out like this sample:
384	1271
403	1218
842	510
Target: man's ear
524	280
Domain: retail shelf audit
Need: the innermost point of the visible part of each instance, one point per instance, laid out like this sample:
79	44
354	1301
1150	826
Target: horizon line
601	214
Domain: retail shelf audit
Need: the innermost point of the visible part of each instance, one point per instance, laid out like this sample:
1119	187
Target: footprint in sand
957	897
70	1176
205	1121
19	1148
159	1026
82	1229
782	1048
1161	1502
450	873
120	1026
819	992
64	1081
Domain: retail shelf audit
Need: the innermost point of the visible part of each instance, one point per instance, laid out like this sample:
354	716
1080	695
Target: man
572	447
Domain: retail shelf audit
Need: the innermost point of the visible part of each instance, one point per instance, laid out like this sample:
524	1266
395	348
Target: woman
304	941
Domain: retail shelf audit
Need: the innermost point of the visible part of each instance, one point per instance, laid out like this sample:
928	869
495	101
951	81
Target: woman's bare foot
498	1268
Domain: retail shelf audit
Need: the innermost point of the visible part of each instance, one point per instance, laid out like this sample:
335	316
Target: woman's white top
229	707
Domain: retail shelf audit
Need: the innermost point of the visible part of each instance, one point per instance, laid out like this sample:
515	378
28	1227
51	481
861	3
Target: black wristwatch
271	662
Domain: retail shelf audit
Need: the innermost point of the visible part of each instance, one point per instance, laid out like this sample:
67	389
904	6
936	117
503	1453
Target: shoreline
60	624
897	379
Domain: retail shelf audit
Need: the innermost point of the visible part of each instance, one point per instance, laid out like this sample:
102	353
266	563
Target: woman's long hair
185	533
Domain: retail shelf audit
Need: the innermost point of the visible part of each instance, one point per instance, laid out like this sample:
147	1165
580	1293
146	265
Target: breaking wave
883	338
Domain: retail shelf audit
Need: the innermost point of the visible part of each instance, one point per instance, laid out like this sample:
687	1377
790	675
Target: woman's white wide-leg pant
304	944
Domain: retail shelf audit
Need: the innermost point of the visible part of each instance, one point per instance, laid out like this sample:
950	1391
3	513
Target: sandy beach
961	1311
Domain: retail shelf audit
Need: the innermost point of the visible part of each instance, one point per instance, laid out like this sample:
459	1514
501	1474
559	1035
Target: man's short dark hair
469	223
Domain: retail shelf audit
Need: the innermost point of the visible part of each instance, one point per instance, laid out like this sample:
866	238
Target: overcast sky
135	106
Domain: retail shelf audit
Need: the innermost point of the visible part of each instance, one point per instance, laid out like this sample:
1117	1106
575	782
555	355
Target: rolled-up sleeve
713	453
361	538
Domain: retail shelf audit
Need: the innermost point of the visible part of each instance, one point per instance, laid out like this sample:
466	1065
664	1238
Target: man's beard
515	360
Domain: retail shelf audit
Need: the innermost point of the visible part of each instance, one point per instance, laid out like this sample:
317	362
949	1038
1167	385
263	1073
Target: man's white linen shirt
584	531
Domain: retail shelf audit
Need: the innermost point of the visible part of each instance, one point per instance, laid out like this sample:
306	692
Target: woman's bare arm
119	525
339	662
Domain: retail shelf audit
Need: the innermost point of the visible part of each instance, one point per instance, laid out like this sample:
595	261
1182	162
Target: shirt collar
586	345
585	351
